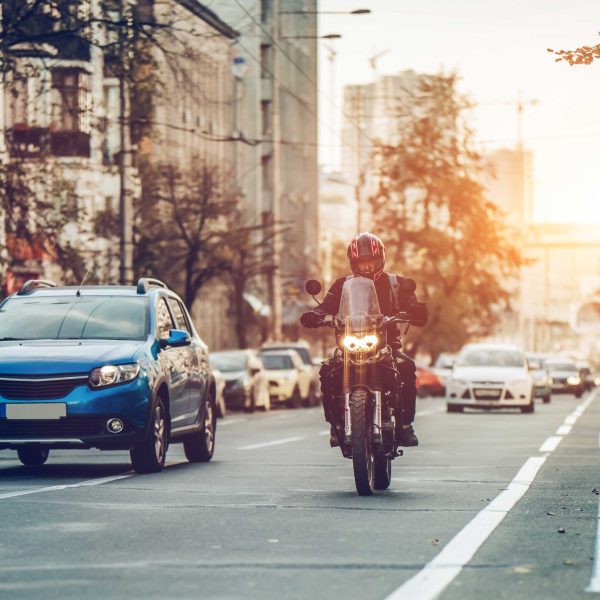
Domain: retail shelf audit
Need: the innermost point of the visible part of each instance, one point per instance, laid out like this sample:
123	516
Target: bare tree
182	219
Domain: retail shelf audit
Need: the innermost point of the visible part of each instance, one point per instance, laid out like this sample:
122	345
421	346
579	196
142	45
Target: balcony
70	143
27	142
33	142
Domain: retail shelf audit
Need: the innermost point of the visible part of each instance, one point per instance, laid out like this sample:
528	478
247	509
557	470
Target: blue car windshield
74	318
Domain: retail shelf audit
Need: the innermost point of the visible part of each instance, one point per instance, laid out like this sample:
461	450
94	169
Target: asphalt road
276	516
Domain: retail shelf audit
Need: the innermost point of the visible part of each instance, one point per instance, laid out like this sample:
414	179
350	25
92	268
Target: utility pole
277	296
125	199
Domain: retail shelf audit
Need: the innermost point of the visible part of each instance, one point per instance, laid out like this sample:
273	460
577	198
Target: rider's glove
310	319
418	314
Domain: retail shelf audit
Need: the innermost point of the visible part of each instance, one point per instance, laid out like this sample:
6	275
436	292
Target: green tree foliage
439	228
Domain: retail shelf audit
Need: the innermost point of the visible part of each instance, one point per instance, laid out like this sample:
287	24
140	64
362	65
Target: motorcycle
363	383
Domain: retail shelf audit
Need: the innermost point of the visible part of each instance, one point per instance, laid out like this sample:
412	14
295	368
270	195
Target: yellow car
289	383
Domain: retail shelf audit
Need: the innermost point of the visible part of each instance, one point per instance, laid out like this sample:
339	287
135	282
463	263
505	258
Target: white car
490	376
288	381
220	396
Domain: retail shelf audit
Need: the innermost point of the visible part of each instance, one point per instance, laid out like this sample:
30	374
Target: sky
499	51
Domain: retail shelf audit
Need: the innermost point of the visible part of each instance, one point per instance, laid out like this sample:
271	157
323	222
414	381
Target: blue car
107	367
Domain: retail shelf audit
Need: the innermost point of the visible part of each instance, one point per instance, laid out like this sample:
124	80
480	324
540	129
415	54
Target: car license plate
488	394
35	412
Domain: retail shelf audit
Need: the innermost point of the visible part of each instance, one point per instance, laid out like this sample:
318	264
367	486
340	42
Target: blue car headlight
113	374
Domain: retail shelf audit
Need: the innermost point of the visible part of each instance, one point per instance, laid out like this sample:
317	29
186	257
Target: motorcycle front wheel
363	458
383	472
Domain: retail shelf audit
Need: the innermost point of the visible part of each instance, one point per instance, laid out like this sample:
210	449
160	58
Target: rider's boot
405	436
333	440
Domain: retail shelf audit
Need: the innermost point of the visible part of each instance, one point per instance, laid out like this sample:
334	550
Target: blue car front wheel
32	456
150	455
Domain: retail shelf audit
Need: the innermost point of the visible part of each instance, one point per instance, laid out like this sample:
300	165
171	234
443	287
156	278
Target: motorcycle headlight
573	380
360	344
113	374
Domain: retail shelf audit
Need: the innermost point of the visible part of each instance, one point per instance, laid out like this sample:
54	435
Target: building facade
277	54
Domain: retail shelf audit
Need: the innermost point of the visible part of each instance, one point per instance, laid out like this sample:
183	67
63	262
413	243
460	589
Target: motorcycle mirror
409	285
313	287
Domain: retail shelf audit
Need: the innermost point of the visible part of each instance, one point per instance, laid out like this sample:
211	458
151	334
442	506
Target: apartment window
267	172
266	68
70	100
266	117
265	10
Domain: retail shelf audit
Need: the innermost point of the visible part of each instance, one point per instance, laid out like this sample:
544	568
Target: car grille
39	388
487	394
69	427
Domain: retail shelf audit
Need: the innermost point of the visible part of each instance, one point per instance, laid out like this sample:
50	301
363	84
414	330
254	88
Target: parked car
246	384
490	376
308	366
108	367
565	376
428	383
541	376
289	382
442	367
586	374
219	393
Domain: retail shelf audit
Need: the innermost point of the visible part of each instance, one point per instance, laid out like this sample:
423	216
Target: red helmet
366	254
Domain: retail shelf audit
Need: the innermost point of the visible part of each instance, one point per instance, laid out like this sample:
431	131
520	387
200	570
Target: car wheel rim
159	433
209	432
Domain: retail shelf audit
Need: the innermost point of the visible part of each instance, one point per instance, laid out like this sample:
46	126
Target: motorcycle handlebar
402	317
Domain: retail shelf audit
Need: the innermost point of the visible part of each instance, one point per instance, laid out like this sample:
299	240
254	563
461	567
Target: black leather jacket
405	301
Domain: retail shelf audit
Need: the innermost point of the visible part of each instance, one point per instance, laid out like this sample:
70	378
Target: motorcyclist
366	255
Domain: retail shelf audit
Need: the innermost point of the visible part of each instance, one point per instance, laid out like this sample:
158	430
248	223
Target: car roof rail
33	284
145	284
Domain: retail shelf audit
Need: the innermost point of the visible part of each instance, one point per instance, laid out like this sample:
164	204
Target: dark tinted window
229	361
303	352
490	357
561	366
86	317
277	361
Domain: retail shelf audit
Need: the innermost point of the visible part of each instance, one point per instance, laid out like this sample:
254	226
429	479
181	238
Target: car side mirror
313	287
177	339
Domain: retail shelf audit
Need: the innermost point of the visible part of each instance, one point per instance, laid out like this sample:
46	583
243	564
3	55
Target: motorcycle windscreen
359	306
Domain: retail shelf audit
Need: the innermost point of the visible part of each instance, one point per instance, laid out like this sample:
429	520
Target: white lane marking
52	488
594	584
436	575
273	443
564	430
229	422
324	432
551	443
570	420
